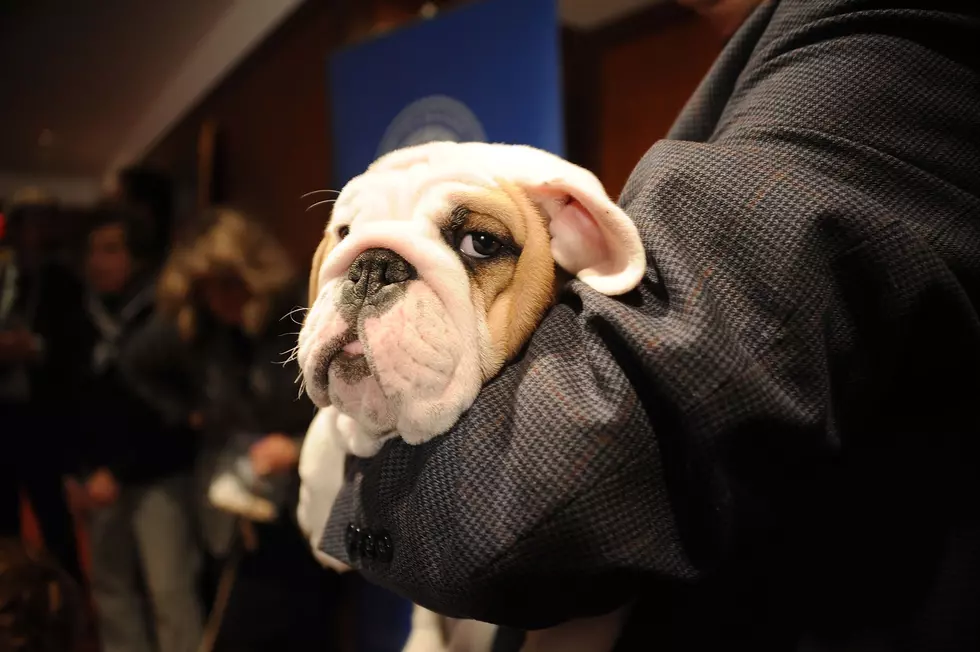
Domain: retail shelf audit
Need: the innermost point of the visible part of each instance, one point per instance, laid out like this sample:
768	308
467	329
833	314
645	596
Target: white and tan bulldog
436	267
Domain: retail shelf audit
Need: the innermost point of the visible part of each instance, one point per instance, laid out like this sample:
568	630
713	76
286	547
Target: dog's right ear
591	236
321	253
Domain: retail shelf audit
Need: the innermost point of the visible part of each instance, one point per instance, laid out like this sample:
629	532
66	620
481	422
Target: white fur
396	205
418	397
611	259
428	353
321	473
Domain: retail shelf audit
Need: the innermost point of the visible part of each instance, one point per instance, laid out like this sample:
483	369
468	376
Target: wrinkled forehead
424	191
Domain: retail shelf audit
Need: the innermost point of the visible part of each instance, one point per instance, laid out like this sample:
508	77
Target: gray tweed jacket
774	442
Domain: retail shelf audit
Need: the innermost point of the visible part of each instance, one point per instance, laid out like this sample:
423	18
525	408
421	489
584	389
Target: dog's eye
343	231
479	245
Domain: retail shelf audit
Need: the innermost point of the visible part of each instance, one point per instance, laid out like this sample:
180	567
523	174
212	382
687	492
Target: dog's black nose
377	268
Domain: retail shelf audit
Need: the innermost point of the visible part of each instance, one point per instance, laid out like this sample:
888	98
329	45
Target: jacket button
368	545
353	540
383	547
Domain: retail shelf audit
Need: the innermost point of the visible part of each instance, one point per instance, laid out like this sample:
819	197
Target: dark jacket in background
39	409
281	596
49	304
774	442
120	429
239	383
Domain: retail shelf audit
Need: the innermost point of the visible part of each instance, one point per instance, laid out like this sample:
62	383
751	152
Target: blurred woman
218	355
136	469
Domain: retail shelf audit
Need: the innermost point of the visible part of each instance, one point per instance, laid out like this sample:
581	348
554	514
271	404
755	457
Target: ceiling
85	70
88	85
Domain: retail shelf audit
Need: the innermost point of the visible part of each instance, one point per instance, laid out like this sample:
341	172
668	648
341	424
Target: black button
353	540
383	546
368	545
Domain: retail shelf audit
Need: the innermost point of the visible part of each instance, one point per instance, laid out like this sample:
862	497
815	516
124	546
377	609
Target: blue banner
489	72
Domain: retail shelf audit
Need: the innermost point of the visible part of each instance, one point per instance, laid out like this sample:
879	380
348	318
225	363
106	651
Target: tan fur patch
515	294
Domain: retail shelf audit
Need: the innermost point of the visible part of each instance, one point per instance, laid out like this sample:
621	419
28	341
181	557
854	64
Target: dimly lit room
489	325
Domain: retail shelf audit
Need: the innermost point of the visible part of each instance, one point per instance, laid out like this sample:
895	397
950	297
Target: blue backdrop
487	71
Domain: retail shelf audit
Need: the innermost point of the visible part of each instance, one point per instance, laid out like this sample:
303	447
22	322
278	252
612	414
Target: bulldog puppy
436	267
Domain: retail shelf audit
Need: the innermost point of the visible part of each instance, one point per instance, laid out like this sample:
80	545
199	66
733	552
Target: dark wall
624	85
272	141
271	116
646	75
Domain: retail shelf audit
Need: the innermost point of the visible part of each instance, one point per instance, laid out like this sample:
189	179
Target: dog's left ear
591	236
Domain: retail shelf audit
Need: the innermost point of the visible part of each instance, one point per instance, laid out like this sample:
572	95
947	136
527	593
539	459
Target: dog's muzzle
393	339
376	269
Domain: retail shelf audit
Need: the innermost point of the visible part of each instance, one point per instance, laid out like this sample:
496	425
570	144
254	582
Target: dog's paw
321	472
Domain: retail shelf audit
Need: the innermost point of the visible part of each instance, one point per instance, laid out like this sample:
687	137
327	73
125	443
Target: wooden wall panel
624	85
272	119
644	81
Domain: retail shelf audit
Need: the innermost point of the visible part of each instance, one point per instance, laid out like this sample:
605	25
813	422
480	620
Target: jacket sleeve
158	366
786	401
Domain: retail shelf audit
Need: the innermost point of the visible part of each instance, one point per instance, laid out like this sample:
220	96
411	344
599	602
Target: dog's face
435	268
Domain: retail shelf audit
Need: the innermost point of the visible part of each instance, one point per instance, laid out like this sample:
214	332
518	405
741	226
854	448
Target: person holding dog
770	442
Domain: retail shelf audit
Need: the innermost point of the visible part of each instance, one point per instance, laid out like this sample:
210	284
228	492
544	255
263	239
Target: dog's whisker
291	355
293	312
320	203
318	192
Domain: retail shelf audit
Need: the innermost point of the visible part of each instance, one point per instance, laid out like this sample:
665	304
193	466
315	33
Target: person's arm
788	399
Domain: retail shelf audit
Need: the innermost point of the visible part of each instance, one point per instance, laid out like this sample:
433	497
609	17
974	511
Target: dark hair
135	224
40	605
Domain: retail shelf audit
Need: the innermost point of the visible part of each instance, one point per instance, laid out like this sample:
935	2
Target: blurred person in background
40	313
40	604
138	482
217	352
